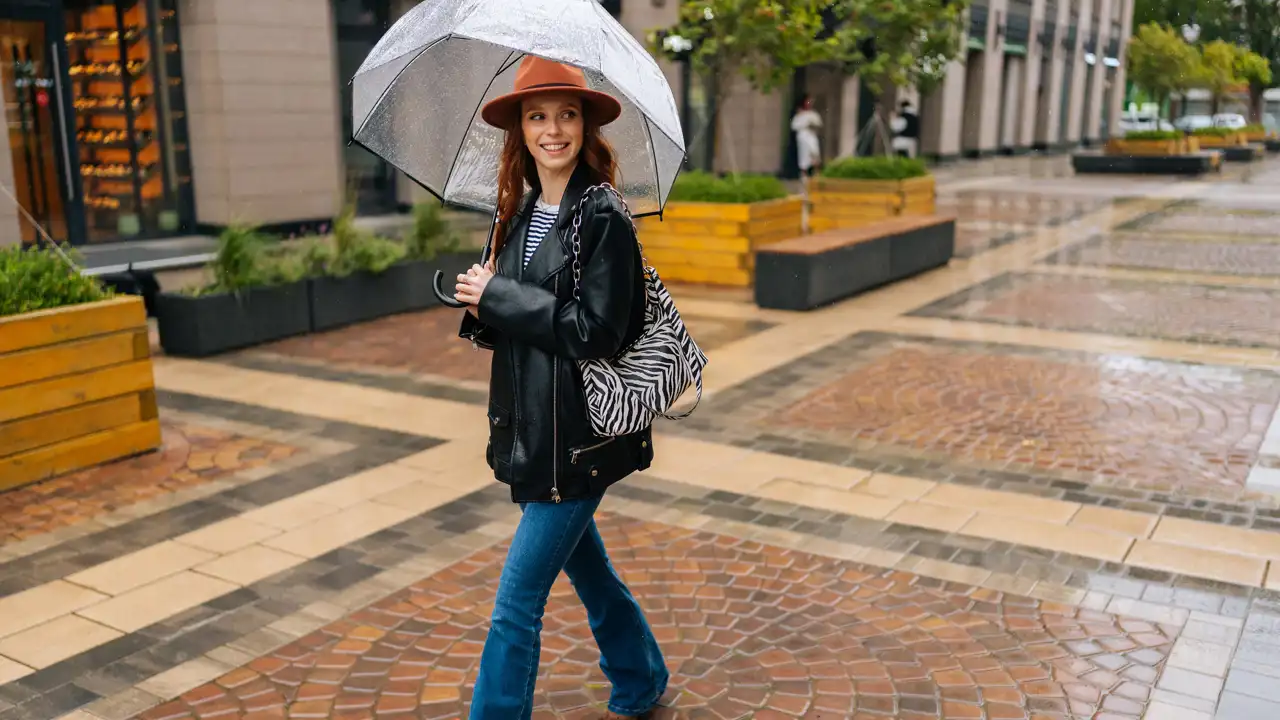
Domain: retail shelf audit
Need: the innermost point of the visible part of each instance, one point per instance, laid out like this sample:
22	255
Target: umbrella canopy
417	97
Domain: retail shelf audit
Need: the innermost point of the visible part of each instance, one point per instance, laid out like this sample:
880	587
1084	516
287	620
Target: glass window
126	82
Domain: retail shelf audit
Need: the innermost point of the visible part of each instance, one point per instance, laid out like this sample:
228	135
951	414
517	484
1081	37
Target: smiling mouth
554	148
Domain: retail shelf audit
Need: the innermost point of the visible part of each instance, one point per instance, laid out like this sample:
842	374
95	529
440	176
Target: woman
805	124
522	304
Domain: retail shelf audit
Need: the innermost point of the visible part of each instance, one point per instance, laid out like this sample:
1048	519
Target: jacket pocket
501	435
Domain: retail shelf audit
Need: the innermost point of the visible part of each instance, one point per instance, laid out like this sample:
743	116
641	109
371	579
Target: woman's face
553	130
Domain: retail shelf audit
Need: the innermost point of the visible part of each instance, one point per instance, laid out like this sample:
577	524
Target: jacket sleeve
593	326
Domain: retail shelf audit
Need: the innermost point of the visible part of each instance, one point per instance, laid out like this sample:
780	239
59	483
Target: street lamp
1191	32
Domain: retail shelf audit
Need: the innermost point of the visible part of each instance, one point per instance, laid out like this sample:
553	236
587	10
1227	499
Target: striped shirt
544	218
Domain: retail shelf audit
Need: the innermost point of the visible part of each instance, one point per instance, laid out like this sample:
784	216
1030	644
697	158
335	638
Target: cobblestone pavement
1036	485
1236	316
1210	254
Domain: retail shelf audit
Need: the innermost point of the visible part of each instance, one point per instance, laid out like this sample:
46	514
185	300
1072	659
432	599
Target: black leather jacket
540	439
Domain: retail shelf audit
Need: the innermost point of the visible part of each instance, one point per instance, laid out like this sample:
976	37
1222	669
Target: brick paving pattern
1014	207
1153	252
1217	221
419	343
749	630
1122	420
427	343
190	455
1239	316
976	237
1158	436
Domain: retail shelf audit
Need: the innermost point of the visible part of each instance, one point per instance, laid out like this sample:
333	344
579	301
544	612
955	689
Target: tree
1218	70
1215	17
1161	62
761	40
1260	21
1254	69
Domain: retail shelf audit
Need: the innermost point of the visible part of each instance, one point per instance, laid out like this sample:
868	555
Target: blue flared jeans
551	538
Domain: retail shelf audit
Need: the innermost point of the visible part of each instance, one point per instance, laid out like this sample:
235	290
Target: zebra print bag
626	393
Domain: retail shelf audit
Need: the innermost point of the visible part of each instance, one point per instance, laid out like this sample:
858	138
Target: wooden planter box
839	203
1208	142
1152	148
715	243
1260	136
76	389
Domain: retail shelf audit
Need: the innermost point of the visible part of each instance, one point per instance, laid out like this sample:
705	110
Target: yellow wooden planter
1146	148
839	203
76	389
1210	142
1258	136
715	243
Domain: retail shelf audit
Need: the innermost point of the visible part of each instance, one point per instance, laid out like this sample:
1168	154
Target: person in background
906	130
805	124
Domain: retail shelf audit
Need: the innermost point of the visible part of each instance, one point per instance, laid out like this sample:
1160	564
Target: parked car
1234	121
1187	123
1138	122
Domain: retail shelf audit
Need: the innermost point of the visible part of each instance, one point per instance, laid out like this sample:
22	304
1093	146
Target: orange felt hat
537	76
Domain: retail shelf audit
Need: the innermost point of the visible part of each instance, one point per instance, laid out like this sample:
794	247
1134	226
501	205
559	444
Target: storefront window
126	81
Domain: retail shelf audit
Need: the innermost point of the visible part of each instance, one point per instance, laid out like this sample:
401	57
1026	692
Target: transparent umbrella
417	97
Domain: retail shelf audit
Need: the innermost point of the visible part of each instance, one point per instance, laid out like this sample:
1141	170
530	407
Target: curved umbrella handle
444	299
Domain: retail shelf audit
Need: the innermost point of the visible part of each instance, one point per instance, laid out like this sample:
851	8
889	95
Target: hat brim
602	108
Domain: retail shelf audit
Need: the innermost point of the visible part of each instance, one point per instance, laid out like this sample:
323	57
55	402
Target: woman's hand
471	286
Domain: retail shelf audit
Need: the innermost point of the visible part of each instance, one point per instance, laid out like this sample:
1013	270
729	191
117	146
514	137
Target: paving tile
1210	632
1003	504
175	681
853	503
1242	541
324	534
249	565
1121	522
1168	697
820	633
43	603
11	670
1164	711
1049	536
1149	611
139	568
1197	562
1200	656
898	486
228	536
1234	706
1194	684
46	644
145	605
935	517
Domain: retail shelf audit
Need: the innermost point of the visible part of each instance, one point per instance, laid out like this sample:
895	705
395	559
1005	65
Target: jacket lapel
511	259
554	252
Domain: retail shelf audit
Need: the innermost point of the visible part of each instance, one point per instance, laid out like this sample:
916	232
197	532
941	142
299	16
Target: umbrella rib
390	85
503	68
653	153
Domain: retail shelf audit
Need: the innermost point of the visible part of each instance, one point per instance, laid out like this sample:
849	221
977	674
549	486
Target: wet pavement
1038	484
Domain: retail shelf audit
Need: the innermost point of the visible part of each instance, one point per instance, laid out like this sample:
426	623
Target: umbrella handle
444	299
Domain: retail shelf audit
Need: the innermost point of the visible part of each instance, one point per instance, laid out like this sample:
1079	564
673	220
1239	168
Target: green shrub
879	167
430	234
238	261
1214	132
746	188
1255	129
356	250
40	278
1153	135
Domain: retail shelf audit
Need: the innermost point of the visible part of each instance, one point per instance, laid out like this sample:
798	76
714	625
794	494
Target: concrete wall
1031	81
262	109
1116	99
942	114
750	133
1049	111
1080	73
1011	103
9	228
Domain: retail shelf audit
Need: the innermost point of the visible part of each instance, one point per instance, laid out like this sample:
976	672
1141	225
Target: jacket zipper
577	452
555	418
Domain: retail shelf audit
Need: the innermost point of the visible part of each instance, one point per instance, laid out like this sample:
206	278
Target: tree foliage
900	43
1216	18
1253	68
1218	70
763	40
1161	62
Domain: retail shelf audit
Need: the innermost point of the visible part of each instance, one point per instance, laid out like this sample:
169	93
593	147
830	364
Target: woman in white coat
805	124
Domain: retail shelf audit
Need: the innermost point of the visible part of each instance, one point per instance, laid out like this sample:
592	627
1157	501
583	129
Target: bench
808	272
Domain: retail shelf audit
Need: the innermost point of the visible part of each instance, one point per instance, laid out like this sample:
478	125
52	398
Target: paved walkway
1037	484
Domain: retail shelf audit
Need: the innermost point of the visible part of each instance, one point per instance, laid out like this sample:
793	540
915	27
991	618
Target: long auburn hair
517	169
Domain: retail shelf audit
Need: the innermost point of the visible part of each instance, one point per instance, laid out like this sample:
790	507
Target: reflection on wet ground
1038	484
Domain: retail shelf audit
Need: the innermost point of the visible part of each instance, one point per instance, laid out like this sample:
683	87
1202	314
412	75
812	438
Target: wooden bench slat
844	237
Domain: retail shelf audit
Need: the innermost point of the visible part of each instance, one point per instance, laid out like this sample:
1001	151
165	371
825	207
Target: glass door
33	71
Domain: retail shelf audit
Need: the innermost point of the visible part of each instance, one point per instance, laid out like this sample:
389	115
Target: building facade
134	119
